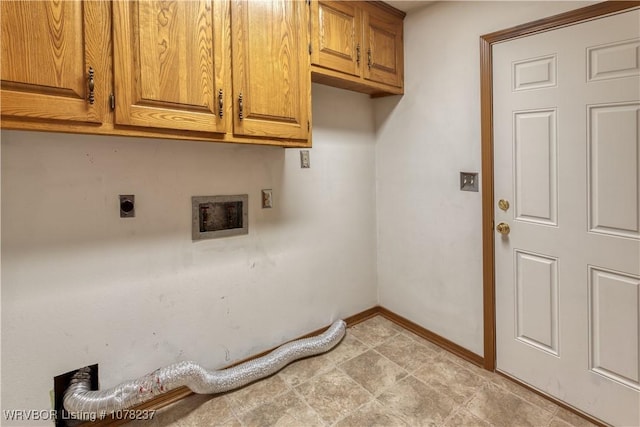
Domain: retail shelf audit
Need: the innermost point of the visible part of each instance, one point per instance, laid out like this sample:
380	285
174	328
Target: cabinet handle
220	104
358	54
92	97
240	107
369	57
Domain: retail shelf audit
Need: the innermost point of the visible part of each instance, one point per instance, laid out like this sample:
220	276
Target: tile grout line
372	397
232	409
439	355
504	389
335	365
292	387
412	371
304	401
322	372
486	379
375	397
347	415
555	410
239	413
489	376
466	403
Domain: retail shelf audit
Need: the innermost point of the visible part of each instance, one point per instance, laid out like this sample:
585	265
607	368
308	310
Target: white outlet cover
267	199
304	159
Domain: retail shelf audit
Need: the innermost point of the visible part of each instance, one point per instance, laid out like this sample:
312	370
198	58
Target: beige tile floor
379	375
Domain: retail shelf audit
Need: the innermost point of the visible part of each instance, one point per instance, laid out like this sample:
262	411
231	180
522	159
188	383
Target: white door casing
566	119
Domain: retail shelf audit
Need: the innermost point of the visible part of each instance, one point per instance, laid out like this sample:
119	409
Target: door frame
486	117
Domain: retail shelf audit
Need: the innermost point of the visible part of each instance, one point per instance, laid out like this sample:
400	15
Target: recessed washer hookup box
219	216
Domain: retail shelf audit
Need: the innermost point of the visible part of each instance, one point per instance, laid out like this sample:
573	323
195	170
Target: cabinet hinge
310	49
308	2
112	101
308	125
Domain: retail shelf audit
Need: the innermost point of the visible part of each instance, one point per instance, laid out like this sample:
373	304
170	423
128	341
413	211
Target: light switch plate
305	163
469	181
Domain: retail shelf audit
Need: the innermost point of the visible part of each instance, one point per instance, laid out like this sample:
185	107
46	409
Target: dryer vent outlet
60	385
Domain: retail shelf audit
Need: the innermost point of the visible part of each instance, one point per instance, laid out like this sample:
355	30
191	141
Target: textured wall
429	232
82	286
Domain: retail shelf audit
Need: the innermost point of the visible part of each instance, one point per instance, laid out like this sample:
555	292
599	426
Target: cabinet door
271	78
384	48
336	29
47	50
168	64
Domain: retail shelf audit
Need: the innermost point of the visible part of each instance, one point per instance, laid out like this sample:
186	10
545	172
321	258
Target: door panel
537	300
47	50
271	92
166	64
613	163
535	166
614	320
566	152
338	45
535	73
383	43
614	60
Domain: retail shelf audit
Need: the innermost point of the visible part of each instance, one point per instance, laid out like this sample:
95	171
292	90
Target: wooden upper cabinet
51	53
169	64
213	70
270	66
358	46
384	47
337	44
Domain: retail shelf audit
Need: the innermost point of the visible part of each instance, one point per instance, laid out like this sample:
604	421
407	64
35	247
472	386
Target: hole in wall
60	384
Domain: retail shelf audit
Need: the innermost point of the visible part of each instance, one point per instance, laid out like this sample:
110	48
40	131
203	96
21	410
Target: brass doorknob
503	228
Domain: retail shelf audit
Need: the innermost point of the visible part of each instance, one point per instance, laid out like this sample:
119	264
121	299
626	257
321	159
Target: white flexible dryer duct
82	402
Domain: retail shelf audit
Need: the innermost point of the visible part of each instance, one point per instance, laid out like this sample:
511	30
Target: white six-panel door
566	156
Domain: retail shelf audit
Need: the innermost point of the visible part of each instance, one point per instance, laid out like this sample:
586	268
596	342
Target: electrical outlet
267	199
305	163
127	206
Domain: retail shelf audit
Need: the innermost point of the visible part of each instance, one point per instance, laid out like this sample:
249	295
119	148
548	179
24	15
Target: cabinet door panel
337	41
165	64
384	49
270	68
46	52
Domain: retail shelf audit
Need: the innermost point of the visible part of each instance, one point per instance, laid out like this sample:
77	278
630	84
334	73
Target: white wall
82	286
429	232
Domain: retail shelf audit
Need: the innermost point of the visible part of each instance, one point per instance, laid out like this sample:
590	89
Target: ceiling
408	5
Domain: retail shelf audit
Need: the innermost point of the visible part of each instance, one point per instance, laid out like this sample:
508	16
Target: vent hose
83	403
